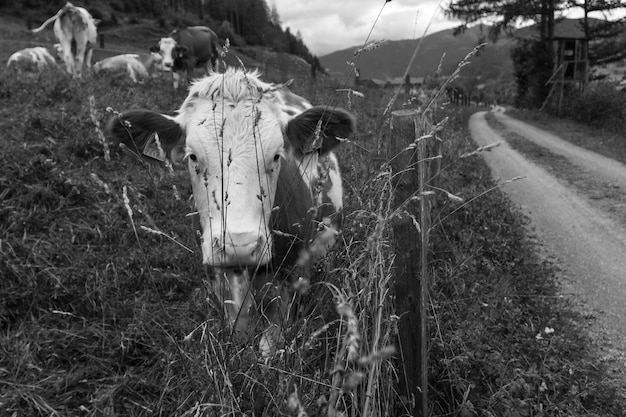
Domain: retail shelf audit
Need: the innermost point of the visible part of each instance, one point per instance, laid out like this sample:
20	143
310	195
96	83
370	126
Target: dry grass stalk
129	210
160	233
480	150
96	122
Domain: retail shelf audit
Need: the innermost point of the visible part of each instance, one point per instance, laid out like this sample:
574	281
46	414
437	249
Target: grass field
104	311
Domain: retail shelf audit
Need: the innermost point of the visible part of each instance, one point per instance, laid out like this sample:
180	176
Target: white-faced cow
266	184
137	67
31	59
75	30
186	49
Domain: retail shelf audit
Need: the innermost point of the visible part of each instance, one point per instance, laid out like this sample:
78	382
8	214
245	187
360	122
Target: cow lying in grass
265	182
31	59
137	67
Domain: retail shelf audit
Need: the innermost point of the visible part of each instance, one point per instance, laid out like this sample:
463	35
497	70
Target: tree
535	57
254	21
505	15
533	60
274	17
605	45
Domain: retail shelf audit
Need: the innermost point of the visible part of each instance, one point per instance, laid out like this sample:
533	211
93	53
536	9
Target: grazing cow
186	49
75	30
31	59
137	67
265	182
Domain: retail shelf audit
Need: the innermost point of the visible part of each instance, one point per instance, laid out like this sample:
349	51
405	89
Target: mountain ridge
390	59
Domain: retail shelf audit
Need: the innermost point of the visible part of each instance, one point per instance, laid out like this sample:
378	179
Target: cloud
329	25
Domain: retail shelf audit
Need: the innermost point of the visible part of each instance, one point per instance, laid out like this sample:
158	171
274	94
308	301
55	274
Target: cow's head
240	146
170	51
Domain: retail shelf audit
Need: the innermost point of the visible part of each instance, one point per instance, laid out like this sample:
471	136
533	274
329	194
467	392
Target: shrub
600	105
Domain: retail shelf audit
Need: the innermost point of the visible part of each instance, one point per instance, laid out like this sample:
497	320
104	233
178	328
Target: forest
243	22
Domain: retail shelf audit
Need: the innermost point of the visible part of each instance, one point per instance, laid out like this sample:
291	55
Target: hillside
138	37
390	59
243	23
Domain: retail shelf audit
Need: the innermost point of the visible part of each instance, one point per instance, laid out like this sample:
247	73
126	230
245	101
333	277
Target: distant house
415	82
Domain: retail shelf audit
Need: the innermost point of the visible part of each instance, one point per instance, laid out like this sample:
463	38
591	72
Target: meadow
104	308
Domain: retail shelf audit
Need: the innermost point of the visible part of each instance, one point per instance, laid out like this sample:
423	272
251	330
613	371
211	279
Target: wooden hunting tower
571	60
571	47
571	57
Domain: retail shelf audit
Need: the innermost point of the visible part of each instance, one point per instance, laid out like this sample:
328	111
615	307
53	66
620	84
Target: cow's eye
276	157
193	158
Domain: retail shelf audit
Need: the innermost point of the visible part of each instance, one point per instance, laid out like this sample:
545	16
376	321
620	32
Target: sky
330	25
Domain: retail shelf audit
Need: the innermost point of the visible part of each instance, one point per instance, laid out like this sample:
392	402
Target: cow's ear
150	135
320	128
180	51
96	22
155	48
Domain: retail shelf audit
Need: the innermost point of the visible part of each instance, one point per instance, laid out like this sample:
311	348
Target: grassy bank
104	309
508	343
607	140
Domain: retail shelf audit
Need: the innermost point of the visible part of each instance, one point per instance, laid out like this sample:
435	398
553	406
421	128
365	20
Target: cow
265	182
76	32
31	59
186	49
137	67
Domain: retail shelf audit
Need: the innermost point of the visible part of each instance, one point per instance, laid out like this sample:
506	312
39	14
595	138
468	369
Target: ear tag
153	148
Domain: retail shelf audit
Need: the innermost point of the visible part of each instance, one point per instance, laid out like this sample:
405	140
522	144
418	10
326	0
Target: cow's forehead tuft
236	86
167	42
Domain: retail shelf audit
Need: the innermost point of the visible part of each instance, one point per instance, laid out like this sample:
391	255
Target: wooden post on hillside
407	85
412	170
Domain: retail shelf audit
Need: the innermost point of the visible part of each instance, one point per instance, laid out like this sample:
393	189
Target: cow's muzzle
238	250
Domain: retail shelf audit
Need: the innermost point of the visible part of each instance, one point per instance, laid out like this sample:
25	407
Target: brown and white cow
137	67
186	49
265	180
76	32
31	59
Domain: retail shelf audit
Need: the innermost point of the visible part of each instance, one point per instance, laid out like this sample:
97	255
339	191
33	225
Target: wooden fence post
412	169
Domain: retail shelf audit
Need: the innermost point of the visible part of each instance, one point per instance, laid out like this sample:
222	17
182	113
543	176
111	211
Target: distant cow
186	49
75	30
137	67
31	59
266	184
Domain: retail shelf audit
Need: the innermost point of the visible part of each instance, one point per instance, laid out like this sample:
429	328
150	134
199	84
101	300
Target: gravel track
586	242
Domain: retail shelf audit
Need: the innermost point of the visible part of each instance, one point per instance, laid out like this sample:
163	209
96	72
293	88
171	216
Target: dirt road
580	237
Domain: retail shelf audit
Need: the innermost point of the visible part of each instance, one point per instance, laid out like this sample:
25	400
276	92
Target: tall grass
100	315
